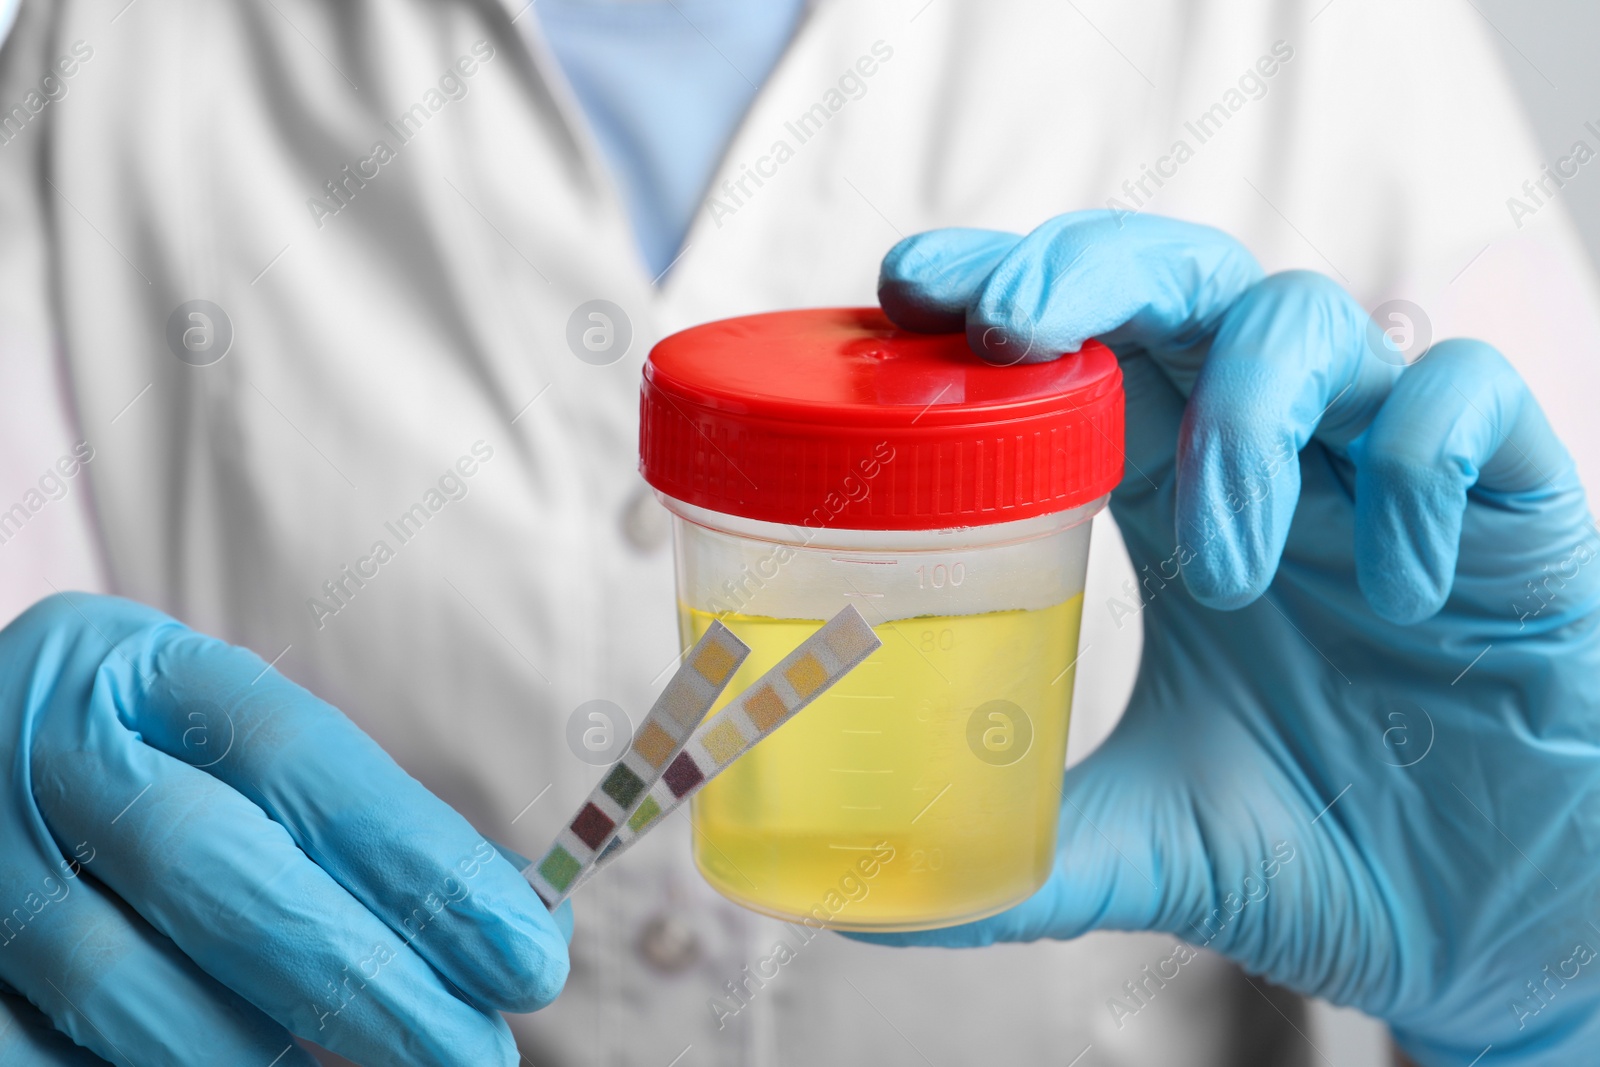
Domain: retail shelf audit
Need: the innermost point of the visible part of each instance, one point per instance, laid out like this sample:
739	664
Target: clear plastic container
944	749
924	789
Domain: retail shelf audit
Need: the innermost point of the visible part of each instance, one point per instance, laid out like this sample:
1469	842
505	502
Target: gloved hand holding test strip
673	754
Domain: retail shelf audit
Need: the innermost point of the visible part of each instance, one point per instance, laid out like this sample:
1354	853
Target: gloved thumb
1166	827
1114	851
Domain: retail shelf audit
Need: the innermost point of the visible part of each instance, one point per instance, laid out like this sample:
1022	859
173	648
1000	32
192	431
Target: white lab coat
374	346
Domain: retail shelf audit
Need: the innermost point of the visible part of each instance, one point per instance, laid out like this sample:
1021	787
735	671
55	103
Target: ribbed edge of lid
747	459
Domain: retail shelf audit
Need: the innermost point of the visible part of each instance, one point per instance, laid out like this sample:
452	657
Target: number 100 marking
939	575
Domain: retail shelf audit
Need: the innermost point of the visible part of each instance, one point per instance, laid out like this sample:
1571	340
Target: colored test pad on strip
672	720
798	679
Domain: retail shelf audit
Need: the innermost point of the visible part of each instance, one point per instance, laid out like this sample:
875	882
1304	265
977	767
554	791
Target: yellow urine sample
943	751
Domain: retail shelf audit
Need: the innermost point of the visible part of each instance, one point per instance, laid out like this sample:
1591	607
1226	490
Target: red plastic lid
833	417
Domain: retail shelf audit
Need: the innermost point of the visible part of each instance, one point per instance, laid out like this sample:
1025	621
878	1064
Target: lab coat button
668	945
645	523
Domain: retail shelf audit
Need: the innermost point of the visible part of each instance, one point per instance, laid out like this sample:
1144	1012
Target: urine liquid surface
921	790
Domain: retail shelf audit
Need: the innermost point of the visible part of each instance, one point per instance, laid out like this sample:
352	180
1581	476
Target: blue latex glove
201	857
1361	755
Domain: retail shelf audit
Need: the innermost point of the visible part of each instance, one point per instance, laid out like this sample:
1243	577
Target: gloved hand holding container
814	459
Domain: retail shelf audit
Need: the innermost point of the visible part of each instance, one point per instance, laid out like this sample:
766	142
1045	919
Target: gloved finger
1110	870
229	887
563	914
1461	420
116	990
1290	360
29	1039
1143	501
407	856
928	279
1157	833
1145	282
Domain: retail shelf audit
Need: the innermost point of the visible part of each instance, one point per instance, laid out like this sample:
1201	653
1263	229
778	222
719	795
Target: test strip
670	723
798	679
